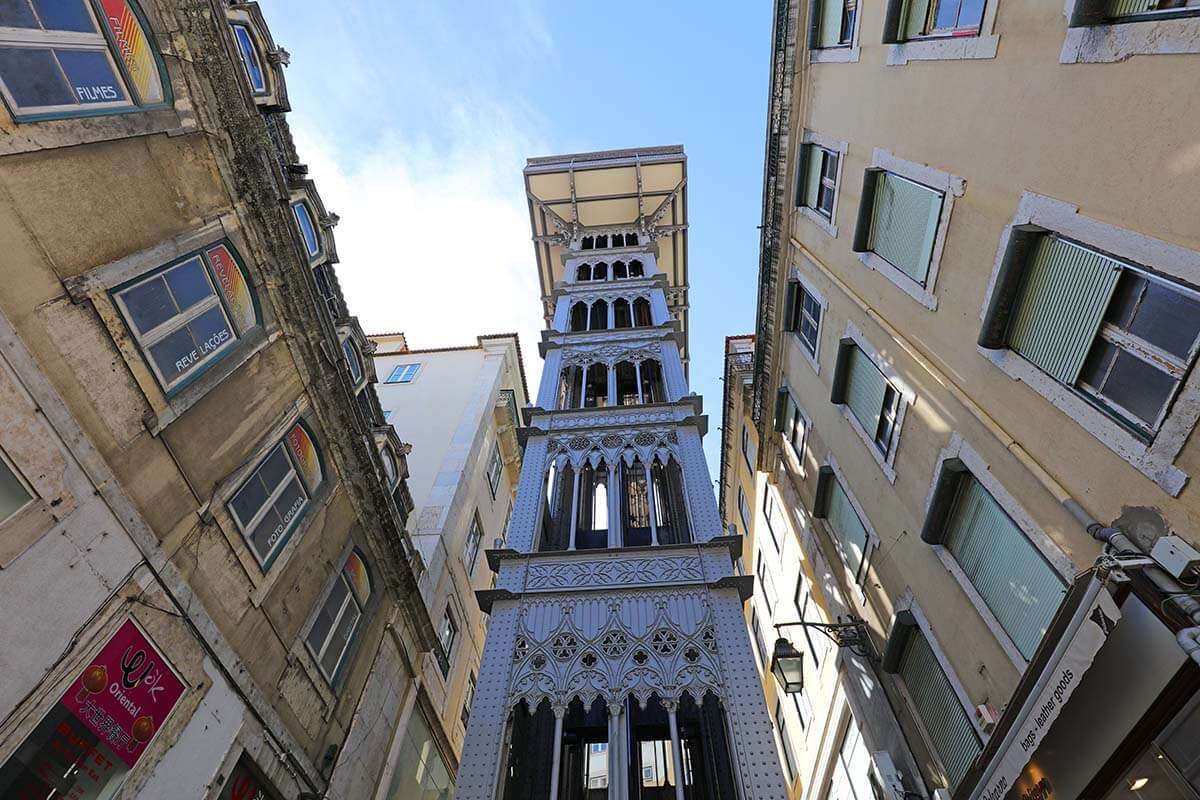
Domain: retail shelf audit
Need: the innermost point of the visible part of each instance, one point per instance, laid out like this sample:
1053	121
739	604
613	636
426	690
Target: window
308	229
898	221
1095	12
789	756
389	462
749	449
1012	578
770	596
832	23
272	500
56	59
760	644
14	495
774	517
743	510
802	316
333	629
468	698
447	634
353	362
871	398
853	771
420	769
1123	338
817	186
495	470
403	373
806	609
187	314
790	422
248	50
942	18
471	548
846	528
946	723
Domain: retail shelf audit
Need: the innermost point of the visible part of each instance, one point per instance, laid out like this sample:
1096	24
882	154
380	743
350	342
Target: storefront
1108	710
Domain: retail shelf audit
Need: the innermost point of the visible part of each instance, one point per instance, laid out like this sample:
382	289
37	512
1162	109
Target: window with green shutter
914	19
832	23
1098	12
933	698
817	184
1123	338
872	400
1012	577
904	222
849	533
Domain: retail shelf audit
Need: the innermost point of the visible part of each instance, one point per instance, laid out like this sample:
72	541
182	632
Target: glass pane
249	58
340	640
971	15
16	14
304	221
1096	367
189	285
185	349
33	78
64	15
274	469
13	494
1168	319
91	75
62	758
269	532
1124	299
947	14
249	499
1138	387
327	615
149	304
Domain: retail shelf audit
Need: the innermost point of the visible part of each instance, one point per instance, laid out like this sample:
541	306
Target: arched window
579	316
653	388
389	465
251	62
620	270
622	316
556	509
308	229
641	313
591	516
600	272
627	385
635	505
636	270
599	316
631	240
570	387
63	59
601	242
353	362
670	504
337	622
587	243
595	386
583	272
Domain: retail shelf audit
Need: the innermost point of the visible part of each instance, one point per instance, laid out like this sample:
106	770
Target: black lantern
787	665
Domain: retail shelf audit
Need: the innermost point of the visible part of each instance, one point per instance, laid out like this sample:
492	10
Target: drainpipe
1188	638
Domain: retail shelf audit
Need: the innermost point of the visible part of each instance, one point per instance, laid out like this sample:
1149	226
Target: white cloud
434	236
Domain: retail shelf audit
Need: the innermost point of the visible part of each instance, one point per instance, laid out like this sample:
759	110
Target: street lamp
787	663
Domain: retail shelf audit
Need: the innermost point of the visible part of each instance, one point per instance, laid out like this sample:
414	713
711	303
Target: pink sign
126	694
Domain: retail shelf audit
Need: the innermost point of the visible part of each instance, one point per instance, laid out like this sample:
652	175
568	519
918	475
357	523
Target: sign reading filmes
1092	623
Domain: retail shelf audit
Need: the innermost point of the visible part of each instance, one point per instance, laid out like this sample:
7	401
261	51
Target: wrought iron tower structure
617	660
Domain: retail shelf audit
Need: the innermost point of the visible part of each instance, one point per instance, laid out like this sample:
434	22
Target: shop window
471	548
495	470
271	502
248	50
308	229
421	771
404	373
246	783
333	630
64	58
187	315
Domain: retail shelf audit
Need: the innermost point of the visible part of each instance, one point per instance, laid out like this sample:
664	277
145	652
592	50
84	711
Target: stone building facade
974	395
208	584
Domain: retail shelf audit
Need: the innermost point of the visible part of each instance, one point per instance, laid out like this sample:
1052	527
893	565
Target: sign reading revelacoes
126	693
1095	621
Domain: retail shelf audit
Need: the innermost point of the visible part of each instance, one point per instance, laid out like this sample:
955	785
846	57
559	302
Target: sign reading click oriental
1092	622
126	693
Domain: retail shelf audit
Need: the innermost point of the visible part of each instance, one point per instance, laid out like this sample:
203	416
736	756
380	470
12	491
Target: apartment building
208	586
974	396
460	408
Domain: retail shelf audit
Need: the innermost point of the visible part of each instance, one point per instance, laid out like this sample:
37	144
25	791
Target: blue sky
416	118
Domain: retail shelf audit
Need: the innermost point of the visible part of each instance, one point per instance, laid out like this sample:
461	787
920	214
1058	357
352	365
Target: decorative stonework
610	354
614	572
645	444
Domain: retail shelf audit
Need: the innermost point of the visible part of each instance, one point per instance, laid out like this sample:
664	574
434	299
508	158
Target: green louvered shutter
865	389
1022	590
915	15
1123	8
812	175
1066	293
945	719
904	224
848	529
831	23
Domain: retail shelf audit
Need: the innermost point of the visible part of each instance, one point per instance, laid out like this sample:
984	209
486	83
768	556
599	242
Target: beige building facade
208	584
463	472
974	395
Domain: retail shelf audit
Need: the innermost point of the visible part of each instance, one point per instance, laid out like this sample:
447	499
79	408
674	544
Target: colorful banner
233	286
134	50
305	453
126	694
356	573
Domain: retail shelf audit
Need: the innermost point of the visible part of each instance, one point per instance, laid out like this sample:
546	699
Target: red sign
126	694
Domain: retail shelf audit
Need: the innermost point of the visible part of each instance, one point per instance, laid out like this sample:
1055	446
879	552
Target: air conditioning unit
884	773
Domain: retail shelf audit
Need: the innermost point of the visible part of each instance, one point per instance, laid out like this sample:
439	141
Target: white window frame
245	528
774	501
303	203
455	627
813	359
404	373
743	509
1156	459
841	54
950	48
951	186
982	472
770	594
906	398
237	25
840	148
495	470
787	751
1117	41
472	544
468	697
31	494
873	540
354	363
